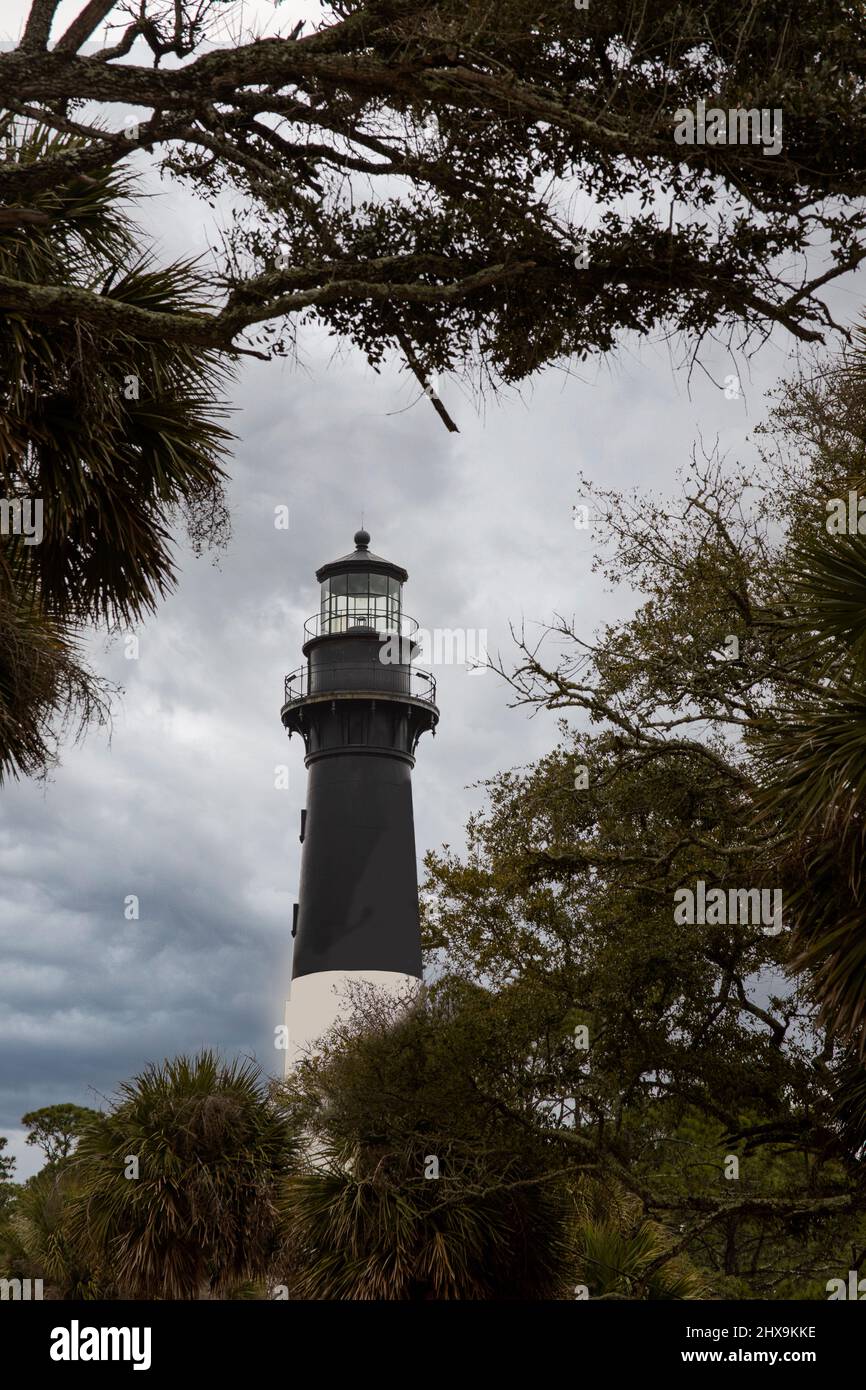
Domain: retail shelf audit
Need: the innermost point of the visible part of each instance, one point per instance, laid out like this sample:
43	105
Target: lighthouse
360	705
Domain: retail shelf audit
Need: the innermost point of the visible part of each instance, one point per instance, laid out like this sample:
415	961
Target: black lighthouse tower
360	706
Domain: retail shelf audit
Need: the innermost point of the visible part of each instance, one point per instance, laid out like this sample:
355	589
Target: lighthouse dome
361	590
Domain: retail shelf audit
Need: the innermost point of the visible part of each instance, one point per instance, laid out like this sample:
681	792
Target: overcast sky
179	806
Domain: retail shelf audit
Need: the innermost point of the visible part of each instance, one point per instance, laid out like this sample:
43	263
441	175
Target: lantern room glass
361	598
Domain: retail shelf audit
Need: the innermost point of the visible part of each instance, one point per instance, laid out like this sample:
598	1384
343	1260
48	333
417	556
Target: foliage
422	1185
114	438
622	1255
417	176
7	1184
56	1128
43	1239
211	1151
694	761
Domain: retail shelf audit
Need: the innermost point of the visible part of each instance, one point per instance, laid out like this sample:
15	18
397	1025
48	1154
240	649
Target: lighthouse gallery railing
336	679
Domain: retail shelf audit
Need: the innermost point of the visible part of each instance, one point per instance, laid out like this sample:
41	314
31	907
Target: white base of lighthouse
318	1001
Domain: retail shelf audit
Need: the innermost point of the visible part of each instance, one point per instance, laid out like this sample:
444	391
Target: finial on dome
362	539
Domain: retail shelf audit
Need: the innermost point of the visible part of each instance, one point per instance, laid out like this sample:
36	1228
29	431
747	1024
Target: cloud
180	807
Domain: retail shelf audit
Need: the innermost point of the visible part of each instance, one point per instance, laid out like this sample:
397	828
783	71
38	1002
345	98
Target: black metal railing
329	623
337	679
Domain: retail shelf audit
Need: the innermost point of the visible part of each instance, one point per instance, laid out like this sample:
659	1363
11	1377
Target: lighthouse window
394	604
334	604
378	601
357	599
360	598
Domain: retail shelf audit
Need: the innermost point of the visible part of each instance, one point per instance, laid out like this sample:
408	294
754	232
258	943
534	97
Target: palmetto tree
420	1182
114	437
621	1254
44	1241
370	1225
197	1212
817	756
